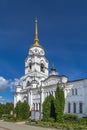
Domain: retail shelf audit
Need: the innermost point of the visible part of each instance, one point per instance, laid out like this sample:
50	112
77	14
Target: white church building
37	83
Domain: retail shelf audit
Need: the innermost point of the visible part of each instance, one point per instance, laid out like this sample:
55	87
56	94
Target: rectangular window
74	107
72	91
80	107
69	107
76	91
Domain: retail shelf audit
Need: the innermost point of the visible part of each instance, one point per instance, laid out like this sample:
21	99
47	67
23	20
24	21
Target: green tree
25	110
22	110
8	108
1	109
18	110
59	103
48	108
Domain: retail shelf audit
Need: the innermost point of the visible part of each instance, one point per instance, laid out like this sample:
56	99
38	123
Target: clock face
36	51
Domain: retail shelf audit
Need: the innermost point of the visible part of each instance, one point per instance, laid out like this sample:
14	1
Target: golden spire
36	40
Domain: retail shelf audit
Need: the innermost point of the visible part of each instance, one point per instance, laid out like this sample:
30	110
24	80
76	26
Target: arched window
69	107
28	83
25	98
80	107
42	67
30	66
74	107
36	106
75	91
33	106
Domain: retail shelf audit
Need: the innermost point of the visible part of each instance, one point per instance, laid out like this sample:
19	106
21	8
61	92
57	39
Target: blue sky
62	33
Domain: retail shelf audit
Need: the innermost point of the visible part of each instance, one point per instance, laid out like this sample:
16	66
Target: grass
66	125
70	123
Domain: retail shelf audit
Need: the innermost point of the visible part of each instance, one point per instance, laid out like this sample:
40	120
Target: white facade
37	83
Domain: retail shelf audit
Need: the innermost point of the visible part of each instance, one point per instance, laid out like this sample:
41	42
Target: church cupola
53	70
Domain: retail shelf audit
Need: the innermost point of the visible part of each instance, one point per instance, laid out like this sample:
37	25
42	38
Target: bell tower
36	64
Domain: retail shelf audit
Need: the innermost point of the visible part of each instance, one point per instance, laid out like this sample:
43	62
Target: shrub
82	121
70	117
59	103
53	108
22	110
51	119
48	109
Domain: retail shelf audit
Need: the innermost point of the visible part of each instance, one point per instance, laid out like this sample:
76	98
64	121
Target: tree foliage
1	109
53	108
18	110
25	110
59	103
22	110
48	108
8	108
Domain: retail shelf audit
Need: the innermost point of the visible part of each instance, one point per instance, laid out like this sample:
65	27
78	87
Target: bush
22	110
70	117
10	118
67	125
82	121
48	109
51	120
59	103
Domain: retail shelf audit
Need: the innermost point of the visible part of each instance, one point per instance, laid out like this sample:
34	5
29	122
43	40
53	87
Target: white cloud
13	83
3	83
0	97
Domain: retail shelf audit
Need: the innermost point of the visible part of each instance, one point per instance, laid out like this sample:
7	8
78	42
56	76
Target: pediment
51	80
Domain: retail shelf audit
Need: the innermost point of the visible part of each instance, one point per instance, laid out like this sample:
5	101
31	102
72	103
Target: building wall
75	94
